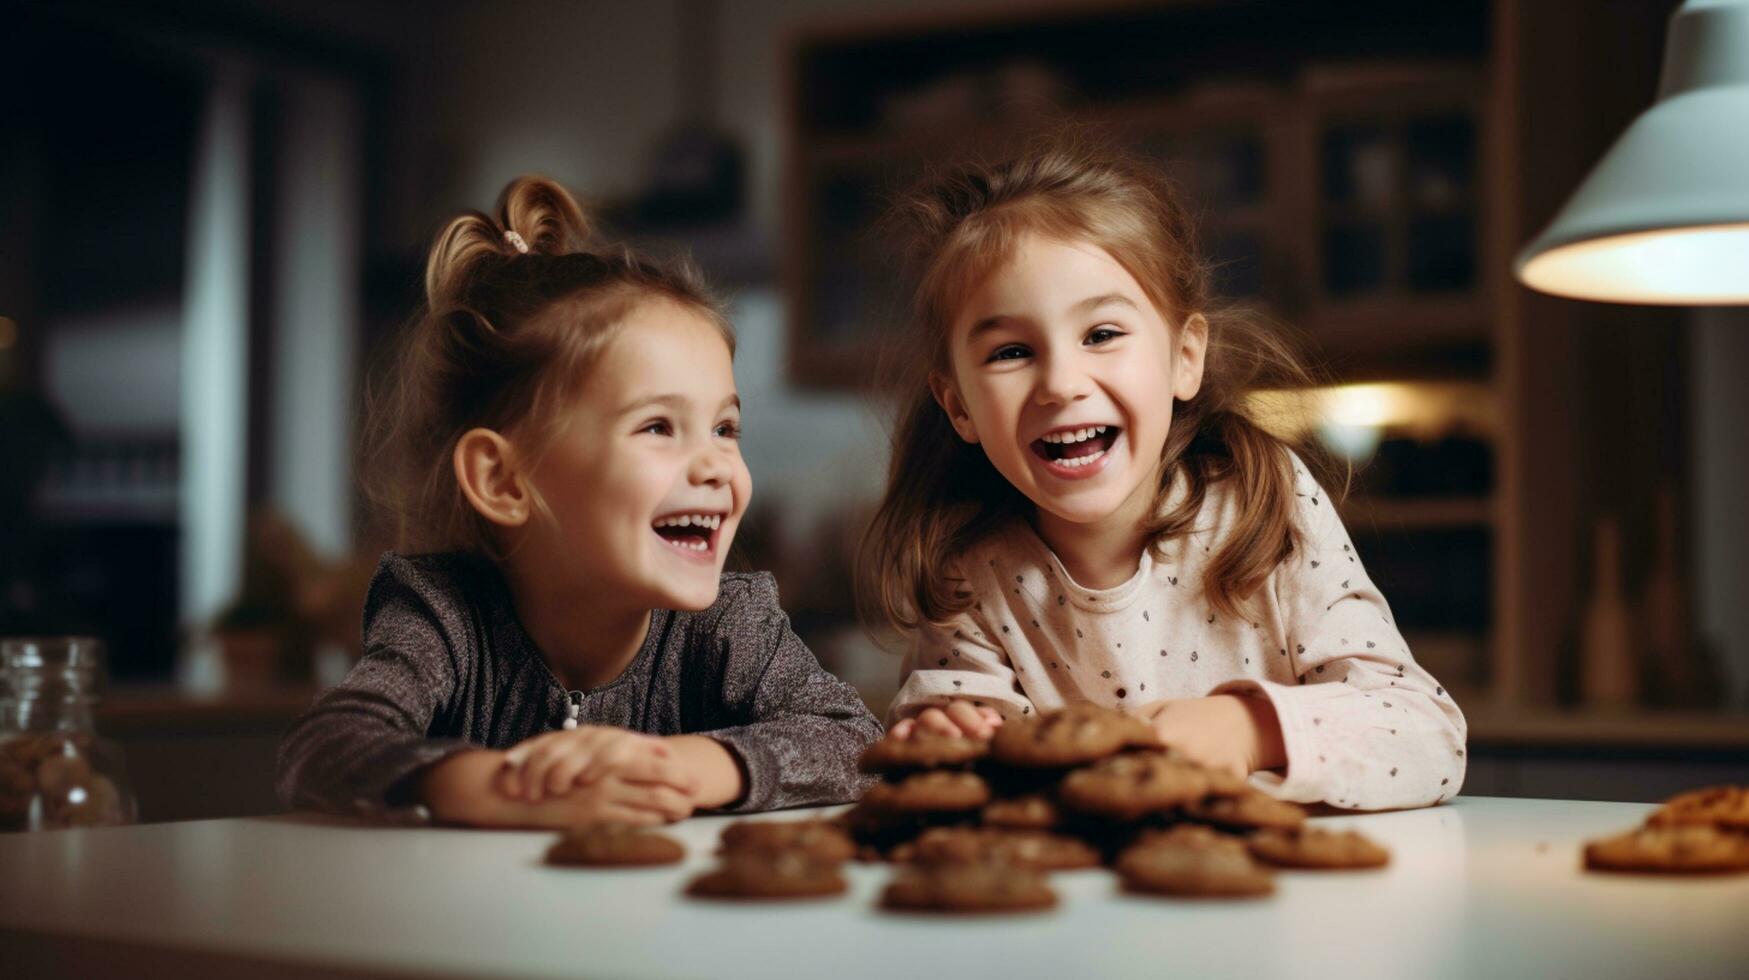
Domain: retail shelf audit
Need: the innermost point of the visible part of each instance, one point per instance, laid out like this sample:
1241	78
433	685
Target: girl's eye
658	427
1099	335
1007	352
728	430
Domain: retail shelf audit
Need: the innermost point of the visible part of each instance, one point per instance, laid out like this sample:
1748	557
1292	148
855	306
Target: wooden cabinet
1348	203
1390	230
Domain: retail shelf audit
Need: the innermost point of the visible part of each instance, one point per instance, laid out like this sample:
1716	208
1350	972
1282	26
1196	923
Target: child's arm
1365	727
358	746
795	731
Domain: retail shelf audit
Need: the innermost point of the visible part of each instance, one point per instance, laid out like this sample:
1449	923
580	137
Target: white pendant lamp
1664	217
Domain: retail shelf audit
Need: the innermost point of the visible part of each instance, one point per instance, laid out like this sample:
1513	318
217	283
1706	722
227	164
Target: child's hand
960	719
557	762
464	789
1224	731
612	798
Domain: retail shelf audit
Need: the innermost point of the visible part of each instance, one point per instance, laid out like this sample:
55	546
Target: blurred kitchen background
213	215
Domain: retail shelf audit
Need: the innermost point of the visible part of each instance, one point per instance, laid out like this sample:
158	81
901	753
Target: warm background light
1352	419
1421	409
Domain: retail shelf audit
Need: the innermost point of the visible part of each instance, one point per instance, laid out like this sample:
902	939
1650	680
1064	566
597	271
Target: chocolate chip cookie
1071	736
1027	848
923	750
1033	811
1133	784
1309	847
822	840
1186	835
1674	849
968	888
1251	809
757	876
936	791
1193	862
614	845
1717	806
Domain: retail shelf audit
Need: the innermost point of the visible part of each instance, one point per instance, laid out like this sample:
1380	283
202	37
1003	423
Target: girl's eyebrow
1085	306
1092	303
676	402
987	323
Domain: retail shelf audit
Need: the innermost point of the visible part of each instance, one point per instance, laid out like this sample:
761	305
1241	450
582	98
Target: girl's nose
711	467
1061	382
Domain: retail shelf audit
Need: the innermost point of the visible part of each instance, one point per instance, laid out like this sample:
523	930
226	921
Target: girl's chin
1091	506
1094	502
1086	501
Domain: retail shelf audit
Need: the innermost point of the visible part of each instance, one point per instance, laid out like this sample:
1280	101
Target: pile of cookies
978	824
1704	831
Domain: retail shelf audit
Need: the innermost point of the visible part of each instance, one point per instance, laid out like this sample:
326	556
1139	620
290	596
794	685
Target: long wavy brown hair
517	308
943	494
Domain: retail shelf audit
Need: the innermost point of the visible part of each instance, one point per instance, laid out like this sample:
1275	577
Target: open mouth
693	535
1076	451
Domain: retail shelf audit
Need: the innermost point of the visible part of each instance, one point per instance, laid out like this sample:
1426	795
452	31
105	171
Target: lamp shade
1664	216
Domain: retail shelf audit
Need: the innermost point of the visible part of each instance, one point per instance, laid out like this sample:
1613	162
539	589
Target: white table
1480	888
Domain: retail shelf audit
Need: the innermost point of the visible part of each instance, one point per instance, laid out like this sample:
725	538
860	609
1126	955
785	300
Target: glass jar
55	770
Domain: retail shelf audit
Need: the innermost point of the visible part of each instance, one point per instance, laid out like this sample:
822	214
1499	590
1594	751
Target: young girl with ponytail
556	641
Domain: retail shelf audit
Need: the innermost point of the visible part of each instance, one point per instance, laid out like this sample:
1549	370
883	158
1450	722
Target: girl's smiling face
1065	372
644	486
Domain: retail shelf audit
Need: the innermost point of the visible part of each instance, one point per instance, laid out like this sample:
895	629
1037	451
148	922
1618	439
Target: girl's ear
485	467
948	397
1193	343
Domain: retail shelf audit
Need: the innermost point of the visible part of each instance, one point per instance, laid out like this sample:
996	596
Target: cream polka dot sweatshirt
1363	725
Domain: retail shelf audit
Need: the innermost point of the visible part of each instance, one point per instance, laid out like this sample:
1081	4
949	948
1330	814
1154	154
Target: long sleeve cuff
1311	772
935	688
1359	749
377	782
788	770
757	762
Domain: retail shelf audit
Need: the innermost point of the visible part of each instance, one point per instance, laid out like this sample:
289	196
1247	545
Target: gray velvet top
447	667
